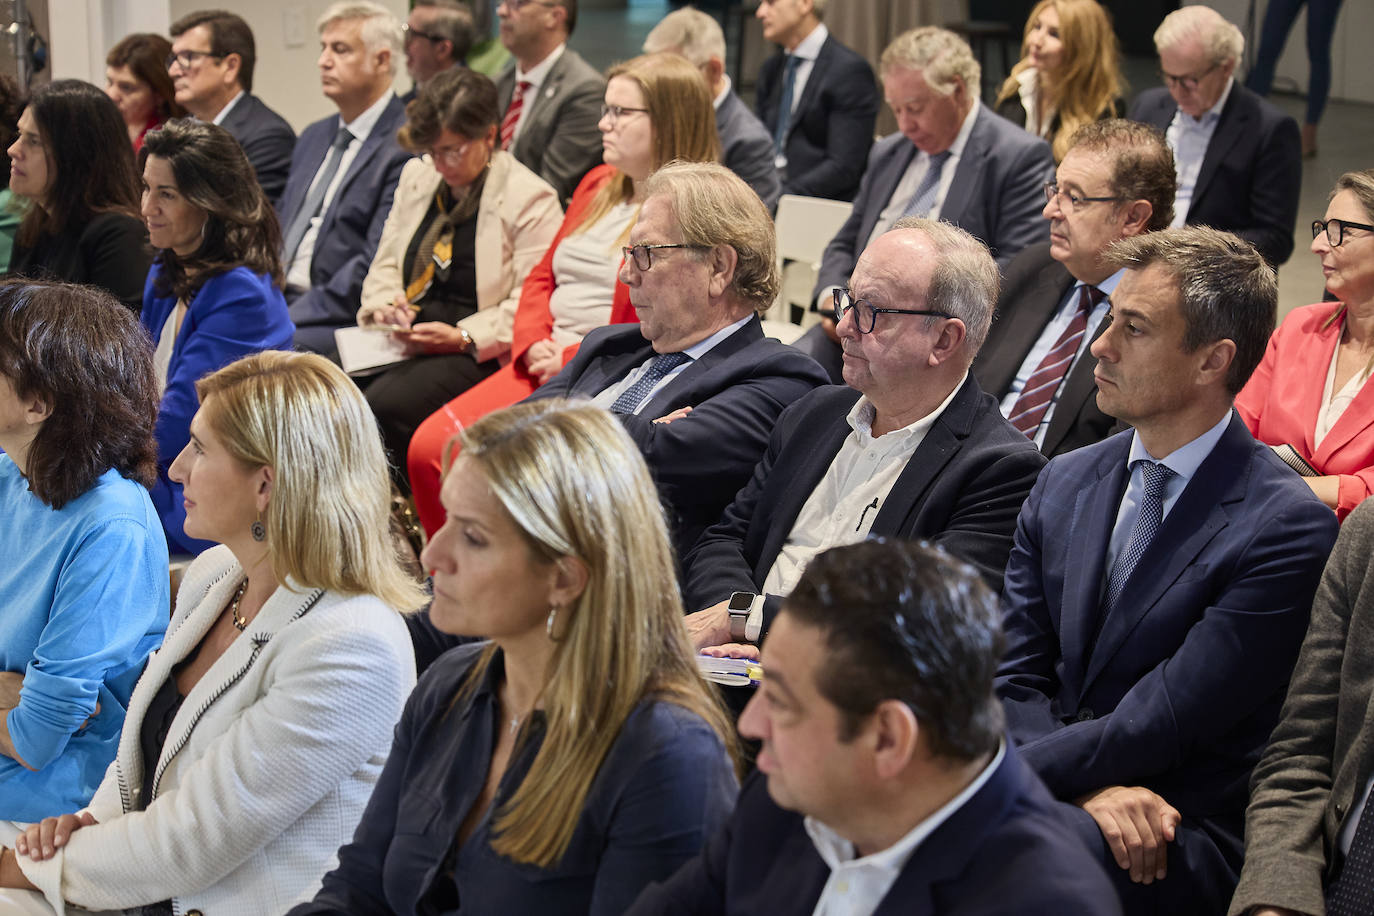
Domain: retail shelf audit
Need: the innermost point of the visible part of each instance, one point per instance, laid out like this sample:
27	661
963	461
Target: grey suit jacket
267	141
1322	751
559	140
747	150
996	194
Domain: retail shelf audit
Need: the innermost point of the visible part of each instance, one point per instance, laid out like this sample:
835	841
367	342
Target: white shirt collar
809	48
837	851
716	102
702	347
540	71
1186	459
862	414
362	125
228	107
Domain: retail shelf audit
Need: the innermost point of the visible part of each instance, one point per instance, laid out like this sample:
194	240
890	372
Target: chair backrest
805	225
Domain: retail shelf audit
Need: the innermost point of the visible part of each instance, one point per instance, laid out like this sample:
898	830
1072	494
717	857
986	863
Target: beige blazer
516	221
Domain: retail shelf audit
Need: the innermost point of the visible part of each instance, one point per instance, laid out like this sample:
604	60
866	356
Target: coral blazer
1281	401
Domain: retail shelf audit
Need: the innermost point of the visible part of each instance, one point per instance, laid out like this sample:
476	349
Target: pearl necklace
240	621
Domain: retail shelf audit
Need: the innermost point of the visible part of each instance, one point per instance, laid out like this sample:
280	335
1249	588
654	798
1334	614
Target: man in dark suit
438	36
551	96
817	99
704	424
912	449
746	148
1160	583
952	159
1116	181
343	175
884	783
212	69
1239	158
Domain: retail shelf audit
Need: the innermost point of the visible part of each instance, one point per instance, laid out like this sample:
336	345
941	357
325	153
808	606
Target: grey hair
380	29
965	282
939	54
689	32
1221	39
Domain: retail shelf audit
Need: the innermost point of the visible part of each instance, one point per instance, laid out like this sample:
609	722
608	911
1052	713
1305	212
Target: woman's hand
400	313
42	840
434	337
543	360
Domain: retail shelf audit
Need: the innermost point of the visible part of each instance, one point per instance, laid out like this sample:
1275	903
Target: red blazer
533	320
1281	401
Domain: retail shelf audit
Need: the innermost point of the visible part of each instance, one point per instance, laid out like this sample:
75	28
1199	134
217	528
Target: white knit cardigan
267	766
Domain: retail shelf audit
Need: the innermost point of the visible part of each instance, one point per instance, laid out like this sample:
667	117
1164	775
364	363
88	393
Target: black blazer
961	489
110	250
1012	109
832	123
267	140
736	391
1032	290
1251	174
1008	849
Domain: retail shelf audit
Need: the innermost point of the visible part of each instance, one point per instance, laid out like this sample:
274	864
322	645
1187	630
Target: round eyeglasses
866	313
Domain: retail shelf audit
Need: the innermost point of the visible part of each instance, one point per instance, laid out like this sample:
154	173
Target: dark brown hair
86	356
1142	164
145	54
229	34
456	99
212	172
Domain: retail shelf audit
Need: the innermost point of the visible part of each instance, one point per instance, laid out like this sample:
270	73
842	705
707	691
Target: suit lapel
684	382
1358	415
1194	521
542	98
1023	322
1234	122
813	82
1078	388
291	205
968	174
382	133
885	184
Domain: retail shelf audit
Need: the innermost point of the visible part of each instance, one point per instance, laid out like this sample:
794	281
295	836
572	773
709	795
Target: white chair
805	225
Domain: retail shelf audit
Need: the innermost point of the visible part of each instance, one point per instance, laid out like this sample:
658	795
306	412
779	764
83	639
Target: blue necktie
924	198
1147	525
315	199
659	366
789	84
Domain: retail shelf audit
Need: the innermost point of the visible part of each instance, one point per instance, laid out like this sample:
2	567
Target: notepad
732	672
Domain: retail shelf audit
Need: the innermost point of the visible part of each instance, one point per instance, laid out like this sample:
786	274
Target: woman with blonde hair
657	109
1069	73
577	755
255	735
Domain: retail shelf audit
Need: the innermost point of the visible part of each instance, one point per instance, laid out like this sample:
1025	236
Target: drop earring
258	530
548	624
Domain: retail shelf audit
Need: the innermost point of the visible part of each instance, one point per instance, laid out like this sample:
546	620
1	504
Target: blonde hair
689	32
329	514
1218	36
576	486
682	116
939	54
1089	81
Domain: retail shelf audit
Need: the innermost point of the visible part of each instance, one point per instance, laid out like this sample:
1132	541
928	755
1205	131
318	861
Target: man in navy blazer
1160	583
212	70
1239	158
702	428
913	448
821	140
745	147
332	218
884	783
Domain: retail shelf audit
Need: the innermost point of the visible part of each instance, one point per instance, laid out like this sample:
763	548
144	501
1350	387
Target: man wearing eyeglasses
1160	584
1238	158
211	66
438	35
695	382
1116	181
912	448
550	95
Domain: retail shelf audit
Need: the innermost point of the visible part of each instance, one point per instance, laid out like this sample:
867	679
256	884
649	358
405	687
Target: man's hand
710	627
1137	825
543	360
675	415
733	650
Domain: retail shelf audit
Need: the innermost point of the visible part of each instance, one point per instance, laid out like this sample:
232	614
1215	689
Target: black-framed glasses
866	313
1188	83
407	33
1076	201
516	5
643	257
1335	229
187	59
615	112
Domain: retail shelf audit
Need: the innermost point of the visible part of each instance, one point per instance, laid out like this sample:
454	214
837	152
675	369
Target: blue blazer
234	314
1179	690
736	392
267	141
664	787
1008	850
747	149
961	488
1251	175
351	226
832	123
996	194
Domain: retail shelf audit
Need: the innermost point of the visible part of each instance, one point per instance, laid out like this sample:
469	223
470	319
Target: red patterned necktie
517	103
1030	408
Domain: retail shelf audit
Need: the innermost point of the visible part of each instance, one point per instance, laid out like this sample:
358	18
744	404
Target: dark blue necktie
1147	525
789	85
659	366
1352	893
315	199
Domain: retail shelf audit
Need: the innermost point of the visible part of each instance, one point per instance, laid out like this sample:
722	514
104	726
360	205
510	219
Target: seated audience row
138	82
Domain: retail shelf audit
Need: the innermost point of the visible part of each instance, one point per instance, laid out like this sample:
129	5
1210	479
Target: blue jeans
1321	26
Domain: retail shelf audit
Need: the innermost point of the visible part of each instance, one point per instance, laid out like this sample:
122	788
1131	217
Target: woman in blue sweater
214	293
83	581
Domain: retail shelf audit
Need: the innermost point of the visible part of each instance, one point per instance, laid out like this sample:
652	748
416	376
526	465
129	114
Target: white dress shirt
298	272
228	107
1188	138
696	351
1027	82
535	77
806	53
1062	318
857	886
849	497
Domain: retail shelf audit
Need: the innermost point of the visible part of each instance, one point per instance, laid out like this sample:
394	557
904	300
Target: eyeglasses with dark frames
1188	83
408	33
866	313
616	112
516	5
1335	229
642	255
187	59
1076	201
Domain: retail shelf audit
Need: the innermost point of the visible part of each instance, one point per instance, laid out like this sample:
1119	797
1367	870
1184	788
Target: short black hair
906	621
229	34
